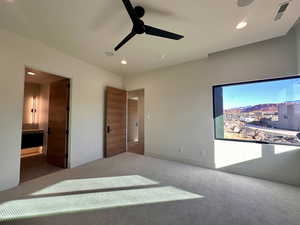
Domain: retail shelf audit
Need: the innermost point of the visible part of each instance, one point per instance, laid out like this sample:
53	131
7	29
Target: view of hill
261	108
271	107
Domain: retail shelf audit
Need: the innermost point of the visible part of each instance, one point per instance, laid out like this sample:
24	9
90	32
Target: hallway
35	166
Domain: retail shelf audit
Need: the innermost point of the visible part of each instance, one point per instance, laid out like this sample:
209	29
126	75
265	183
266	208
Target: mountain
261	108
293	102
270	107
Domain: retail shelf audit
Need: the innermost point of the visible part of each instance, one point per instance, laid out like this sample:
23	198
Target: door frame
26	67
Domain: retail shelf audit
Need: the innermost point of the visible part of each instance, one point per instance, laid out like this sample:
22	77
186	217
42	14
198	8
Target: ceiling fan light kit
139	26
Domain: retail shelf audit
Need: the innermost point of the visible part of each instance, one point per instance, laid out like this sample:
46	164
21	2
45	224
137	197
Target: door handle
108	129
49	131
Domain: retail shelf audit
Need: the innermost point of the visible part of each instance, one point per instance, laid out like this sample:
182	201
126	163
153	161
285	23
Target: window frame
287	77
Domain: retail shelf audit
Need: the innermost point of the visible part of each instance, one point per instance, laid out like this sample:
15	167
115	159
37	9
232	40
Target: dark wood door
115	127
57	150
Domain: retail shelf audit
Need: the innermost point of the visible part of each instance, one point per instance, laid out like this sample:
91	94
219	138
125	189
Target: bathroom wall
31	92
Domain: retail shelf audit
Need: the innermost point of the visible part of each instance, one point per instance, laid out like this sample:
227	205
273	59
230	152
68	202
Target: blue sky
260	93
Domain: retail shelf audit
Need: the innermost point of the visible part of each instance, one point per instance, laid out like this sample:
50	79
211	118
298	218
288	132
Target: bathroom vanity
32	138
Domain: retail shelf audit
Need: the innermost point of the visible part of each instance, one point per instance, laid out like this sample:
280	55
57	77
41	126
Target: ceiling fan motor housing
139	27
139	11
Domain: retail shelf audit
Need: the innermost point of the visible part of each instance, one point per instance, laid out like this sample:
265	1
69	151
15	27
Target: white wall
178	103
87	95
298	43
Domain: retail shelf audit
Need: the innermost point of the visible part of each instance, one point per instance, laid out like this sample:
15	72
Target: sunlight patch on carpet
35	207
76	185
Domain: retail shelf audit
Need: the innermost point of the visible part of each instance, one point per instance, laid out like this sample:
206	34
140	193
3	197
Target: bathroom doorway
45	127
135	121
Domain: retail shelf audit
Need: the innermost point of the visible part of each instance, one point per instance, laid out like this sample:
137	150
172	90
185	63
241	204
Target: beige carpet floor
132	189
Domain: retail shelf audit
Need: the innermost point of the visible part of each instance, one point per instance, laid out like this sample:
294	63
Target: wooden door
57	150
115	127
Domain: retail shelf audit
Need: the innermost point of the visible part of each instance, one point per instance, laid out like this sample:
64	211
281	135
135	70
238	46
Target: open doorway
135	121
45	127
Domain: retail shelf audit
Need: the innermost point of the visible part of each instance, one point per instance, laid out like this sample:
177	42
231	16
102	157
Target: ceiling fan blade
130	10
125	40
162	33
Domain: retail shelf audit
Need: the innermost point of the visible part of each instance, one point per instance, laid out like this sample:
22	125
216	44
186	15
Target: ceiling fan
139	27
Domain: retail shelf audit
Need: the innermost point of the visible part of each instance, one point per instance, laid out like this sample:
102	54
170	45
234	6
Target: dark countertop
33	131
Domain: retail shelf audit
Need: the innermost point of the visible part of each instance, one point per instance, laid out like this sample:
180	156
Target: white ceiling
87	29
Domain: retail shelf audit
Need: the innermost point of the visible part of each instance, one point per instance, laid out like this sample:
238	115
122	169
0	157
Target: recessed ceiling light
241	25
31	73
163	56
124	62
